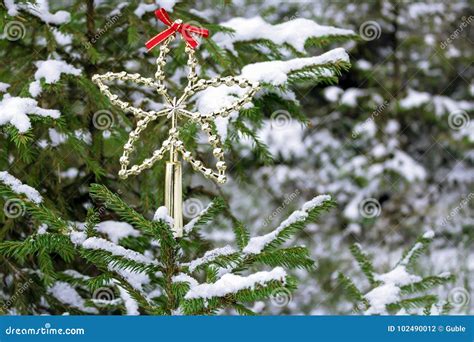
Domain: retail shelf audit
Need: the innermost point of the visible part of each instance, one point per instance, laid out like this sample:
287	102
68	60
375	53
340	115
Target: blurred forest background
391	141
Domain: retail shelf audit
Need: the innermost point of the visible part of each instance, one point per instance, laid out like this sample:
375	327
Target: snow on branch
161	214
232	283
19	188
50	70
417	249
102	244
15	111
142	9
389	290
257	244
209	257
441	104
4	87
131	305
184	278
39	9
135	279
276	72
116	230
294	32
66	294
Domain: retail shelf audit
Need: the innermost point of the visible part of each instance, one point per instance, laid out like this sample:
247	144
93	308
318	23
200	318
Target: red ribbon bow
186	31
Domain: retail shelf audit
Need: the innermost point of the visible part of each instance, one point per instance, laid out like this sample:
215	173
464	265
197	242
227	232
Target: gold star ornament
177	110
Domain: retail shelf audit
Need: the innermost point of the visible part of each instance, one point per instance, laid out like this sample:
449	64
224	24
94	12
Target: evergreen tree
395	292
134	265
77	239
382	141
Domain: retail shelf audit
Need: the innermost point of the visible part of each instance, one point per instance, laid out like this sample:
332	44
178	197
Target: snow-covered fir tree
391	142
77	239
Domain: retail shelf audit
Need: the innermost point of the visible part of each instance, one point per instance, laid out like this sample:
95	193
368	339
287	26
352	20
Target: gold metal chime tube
174	189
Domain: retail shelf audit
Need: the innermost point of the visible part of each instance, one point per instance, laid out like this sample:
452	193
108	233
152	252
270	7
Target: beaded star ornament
176	109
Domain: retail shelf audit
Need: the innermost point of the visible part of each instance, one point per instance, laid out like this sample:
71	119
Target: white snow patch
35	88
102	244
42	229
429	234
398	276
50	70
232	283
209	256
145	8
134	278
350	96
62	39
116	230
161	214
77	275
57	138
19	188
285	140
130	304
15	111
414	99
381	296
66	294
402	164
12	8
276	72
41	10
184	278
77	238
389	291
293	32
332	93
4	87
